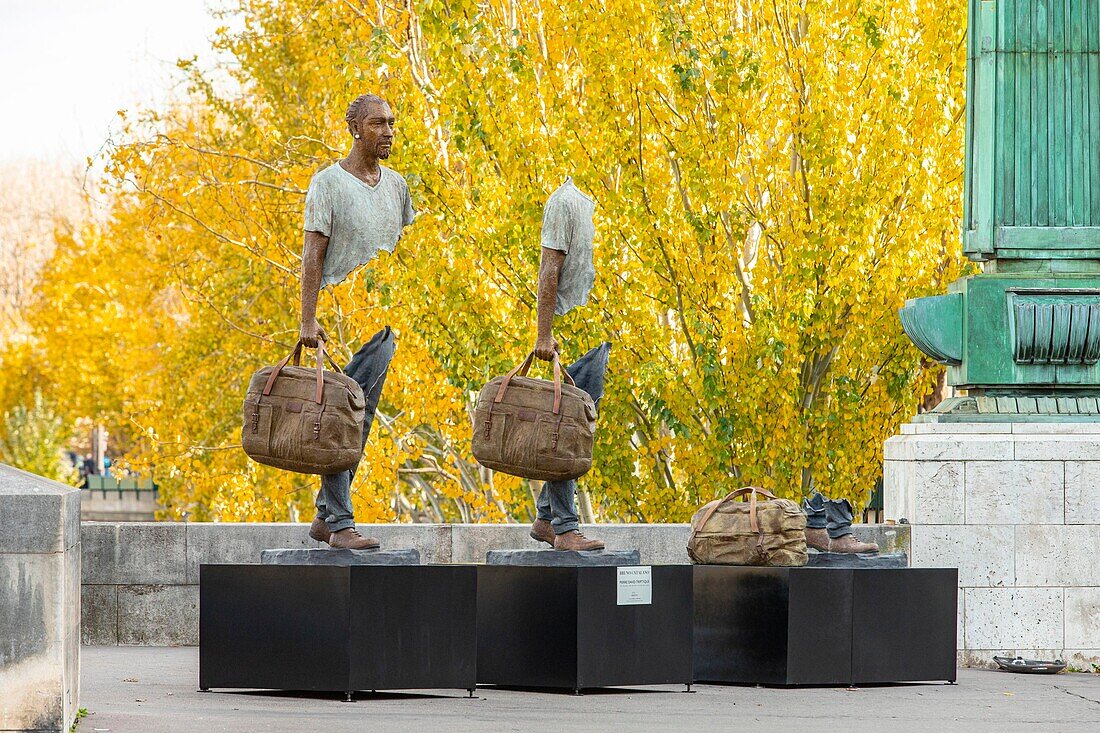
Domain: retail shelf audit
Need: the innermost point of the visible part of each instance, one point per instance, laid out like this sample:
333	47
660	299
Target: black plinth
563	627
824	626
339	629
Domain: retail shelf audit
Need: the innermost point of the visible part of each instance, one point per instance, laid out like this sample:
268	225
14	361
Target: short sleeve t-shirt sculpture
567	227
358	219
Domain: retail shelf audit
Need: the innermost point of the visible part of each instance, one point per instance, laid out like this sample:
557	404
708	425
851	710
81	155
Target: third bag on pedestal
729	532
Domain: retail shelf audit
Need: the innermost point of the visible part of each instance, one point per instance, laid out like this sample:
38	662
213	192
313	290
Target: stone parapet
39	602
141	579
1016	507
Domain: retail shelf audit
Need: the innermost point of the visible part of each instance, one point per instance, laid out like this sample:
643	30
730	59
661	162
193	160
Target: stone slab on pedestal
39	602
338	557
563	558
1007	504
817	559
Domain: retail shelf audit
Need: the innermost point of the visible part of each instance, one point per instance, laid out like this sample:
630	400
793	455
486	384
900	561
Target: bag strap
328	357
752	491
754	525
296	355
525	367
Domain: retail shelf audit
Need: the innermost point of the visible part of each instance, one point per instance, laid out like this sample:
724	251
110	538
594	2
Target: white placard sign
635	585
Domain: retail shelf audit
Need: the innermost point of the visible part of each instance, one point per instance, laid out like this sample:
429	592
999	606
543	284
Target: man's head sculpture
370	122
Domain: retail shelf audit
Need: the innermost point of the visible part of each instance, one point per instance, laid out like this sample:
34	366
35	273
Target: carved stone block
562	558
295	556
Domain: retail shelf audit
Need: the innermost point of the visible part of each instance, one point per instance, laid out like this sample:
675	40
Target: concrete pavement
154	690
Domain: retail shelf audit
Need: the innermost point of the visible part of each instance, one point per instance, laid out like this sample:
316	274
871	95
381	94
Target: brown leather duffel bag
303	419
533	428
729	532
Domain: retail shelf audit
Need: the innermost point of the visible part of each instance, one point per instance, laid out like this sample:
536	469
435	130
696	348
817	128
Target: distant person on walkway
354	208
87	468
566	275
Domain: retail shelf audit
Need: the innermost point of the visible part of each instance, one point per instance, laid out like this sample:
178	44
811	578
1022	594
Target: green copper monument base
1014	335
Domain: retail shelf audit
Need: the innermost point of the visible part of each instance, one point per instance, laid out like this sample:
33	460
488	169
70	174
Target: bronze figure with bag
533	428
303	419
729	532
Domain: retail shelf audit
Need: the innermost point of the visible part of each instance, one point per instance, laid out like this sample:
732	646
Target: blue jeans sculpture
368	367
557	503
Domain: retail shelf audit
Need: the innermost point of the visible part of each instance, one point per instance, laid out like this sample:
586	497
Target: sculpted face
375	128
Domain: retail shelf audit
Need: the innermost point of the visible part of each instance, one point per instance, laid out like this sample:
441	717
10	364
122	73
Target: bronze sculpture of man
354	208
566	275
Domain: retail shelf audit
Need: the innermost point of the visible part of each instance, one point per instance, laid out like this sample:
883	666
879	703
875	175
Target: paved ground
153	690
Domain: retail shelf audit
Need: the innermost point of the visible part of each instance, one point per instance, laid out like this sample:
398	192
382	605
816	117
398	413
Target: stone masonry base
1016	507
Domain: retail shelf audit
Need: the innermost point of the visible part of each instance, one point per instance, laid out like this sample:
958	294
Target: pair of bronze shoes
345	539
819	539
543	531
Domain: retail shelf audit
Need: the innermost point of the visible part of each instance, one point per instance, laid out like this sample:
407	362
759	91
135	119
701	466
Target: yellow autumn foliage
773	178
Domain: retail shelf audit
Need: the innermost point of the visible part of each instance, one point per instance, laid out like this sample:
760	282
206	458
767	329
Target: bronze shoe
543	531
574	540
817	539
849	543
319	530
350	539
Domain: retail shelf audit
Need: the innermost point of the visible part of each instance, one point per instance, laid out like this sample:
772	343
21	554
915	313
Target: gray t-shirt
567	227
358	219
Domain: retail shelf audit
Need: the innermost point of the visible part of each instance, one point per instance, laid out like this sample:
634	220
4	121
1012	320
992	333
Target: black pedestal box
340	629
563	627
824	626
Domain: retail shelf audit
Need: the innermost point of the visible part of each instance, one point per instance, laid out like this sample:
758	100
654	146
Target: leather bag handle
752	491
525	367
296	355
328	357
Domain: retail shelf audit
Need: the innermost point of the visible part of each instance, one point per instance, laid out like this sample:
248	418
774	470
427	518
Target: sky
68	66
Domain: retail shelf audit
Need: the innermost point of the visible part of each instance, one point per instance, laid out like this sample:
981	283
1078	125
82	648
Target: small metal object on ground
1029	666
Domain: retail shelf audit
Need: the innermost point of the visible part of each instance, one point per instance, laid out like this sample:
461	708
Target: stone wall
39	602
1016	507
141	579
